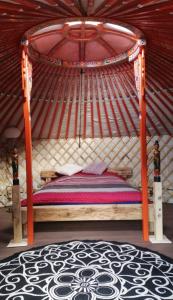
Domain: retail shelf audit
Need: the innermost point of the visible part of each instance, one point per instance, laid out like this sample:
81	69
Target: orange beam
131	85
99	118
61	120
68	120
144	180
28	144
92	119
76	119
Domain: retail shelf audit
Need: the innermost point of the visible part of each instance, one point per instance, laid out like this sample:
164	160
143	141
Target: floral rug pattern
86	270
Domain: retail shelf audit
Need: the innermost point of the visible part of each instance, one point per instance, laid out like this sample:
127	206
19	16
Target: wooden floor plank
121	231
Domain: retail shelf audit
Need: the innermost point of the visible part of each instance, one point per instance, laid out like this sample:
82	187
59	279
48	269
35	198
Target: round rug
87	270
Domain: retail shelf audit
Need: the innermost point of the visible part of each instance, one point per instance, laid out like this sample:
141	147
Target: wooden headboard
124	172
47	176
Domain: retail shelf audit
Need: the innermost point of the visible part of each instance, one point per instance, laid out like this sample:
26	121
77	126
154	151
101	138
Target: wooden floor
121	231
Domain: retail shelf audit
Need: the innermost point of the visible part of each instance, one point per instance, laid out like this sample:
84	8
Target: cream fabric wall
116	152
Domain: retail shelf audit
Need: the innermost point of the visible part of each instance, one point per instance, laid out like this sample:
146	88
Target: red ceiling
99	101
78	40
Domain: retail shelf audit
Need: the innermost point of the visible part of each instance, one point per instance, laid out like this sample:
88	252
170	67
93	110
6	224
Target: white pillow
69	169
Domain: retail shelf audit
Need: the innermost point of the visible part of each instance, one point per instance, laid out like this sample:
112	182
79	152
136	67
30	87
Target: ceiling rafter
90	8
106	5
69	108
71	5
149	108
107	46
146	11
161	12
79	5
46	7
22	14
124	83
10	113
104	102
24	3
39	6
61	43
112	106
47	104
123	6
81	51
52	2
137	7
64	6
40	106
82	43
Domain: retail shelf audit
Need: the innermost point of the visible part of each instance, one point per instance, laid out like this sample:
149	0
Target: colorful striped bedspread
87	189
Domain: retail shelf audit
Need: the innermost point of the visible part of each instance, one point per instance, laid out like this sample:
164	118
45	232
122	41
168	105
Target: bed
86	197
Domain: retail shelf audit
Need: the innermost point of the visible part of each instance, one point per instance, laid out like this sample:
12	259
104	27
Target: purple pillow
95	168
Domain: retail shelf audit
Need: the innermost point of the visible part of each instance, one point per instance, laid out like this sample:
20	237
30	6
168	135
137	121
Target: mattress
86	189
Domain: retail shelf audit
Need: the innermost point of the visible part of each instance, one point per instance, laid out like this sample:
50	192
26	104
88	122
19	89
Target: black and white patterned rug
87	270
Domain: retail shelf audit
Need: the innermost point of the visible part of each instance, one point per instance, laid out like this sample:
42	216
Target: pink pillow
95	168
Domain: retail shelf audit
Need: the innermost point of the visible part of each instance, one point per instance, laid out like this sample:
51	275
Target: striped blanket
87	189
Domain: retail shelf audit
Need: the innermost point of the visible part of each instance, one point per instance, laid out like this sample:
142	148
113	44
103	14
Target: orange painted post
26	86
143	142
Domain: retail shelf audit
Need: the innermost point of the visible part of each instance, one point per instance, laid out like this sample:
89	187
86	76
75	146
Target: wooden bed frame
95	212
85	212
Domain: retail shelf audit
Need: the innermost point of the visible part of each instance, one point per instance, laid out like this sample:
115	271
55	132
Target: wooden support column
158	236
158	213
17	240
16	214
143	143
26	86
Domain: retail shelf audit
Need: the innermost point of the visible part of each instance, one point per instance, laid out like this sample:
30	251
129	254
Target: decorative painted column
143	143
158	236
17	240
157	192
26	87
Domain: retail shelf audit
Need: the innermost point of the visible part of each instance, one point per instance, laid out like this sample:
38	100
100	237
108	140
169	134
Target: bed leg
24	229
151	226
17	225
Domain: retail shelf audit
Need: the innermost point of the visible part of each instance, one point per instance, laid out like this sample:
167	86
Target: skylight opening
119	28
73	23
94	23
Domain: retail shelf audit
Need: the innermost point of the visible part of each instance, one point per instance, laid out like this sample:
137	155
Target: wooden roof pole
143	143
26	87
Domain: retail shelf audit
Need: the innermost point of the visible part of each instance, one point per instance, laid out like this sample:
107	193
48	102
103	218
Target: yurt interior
86	133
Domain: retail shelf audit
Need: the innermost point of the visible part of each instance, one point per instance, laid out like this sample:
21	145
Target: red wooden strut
144	181
28	144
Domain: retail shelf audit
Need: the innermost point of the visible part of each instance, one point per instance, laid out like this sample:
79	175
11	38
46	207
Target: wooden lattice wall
116	152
